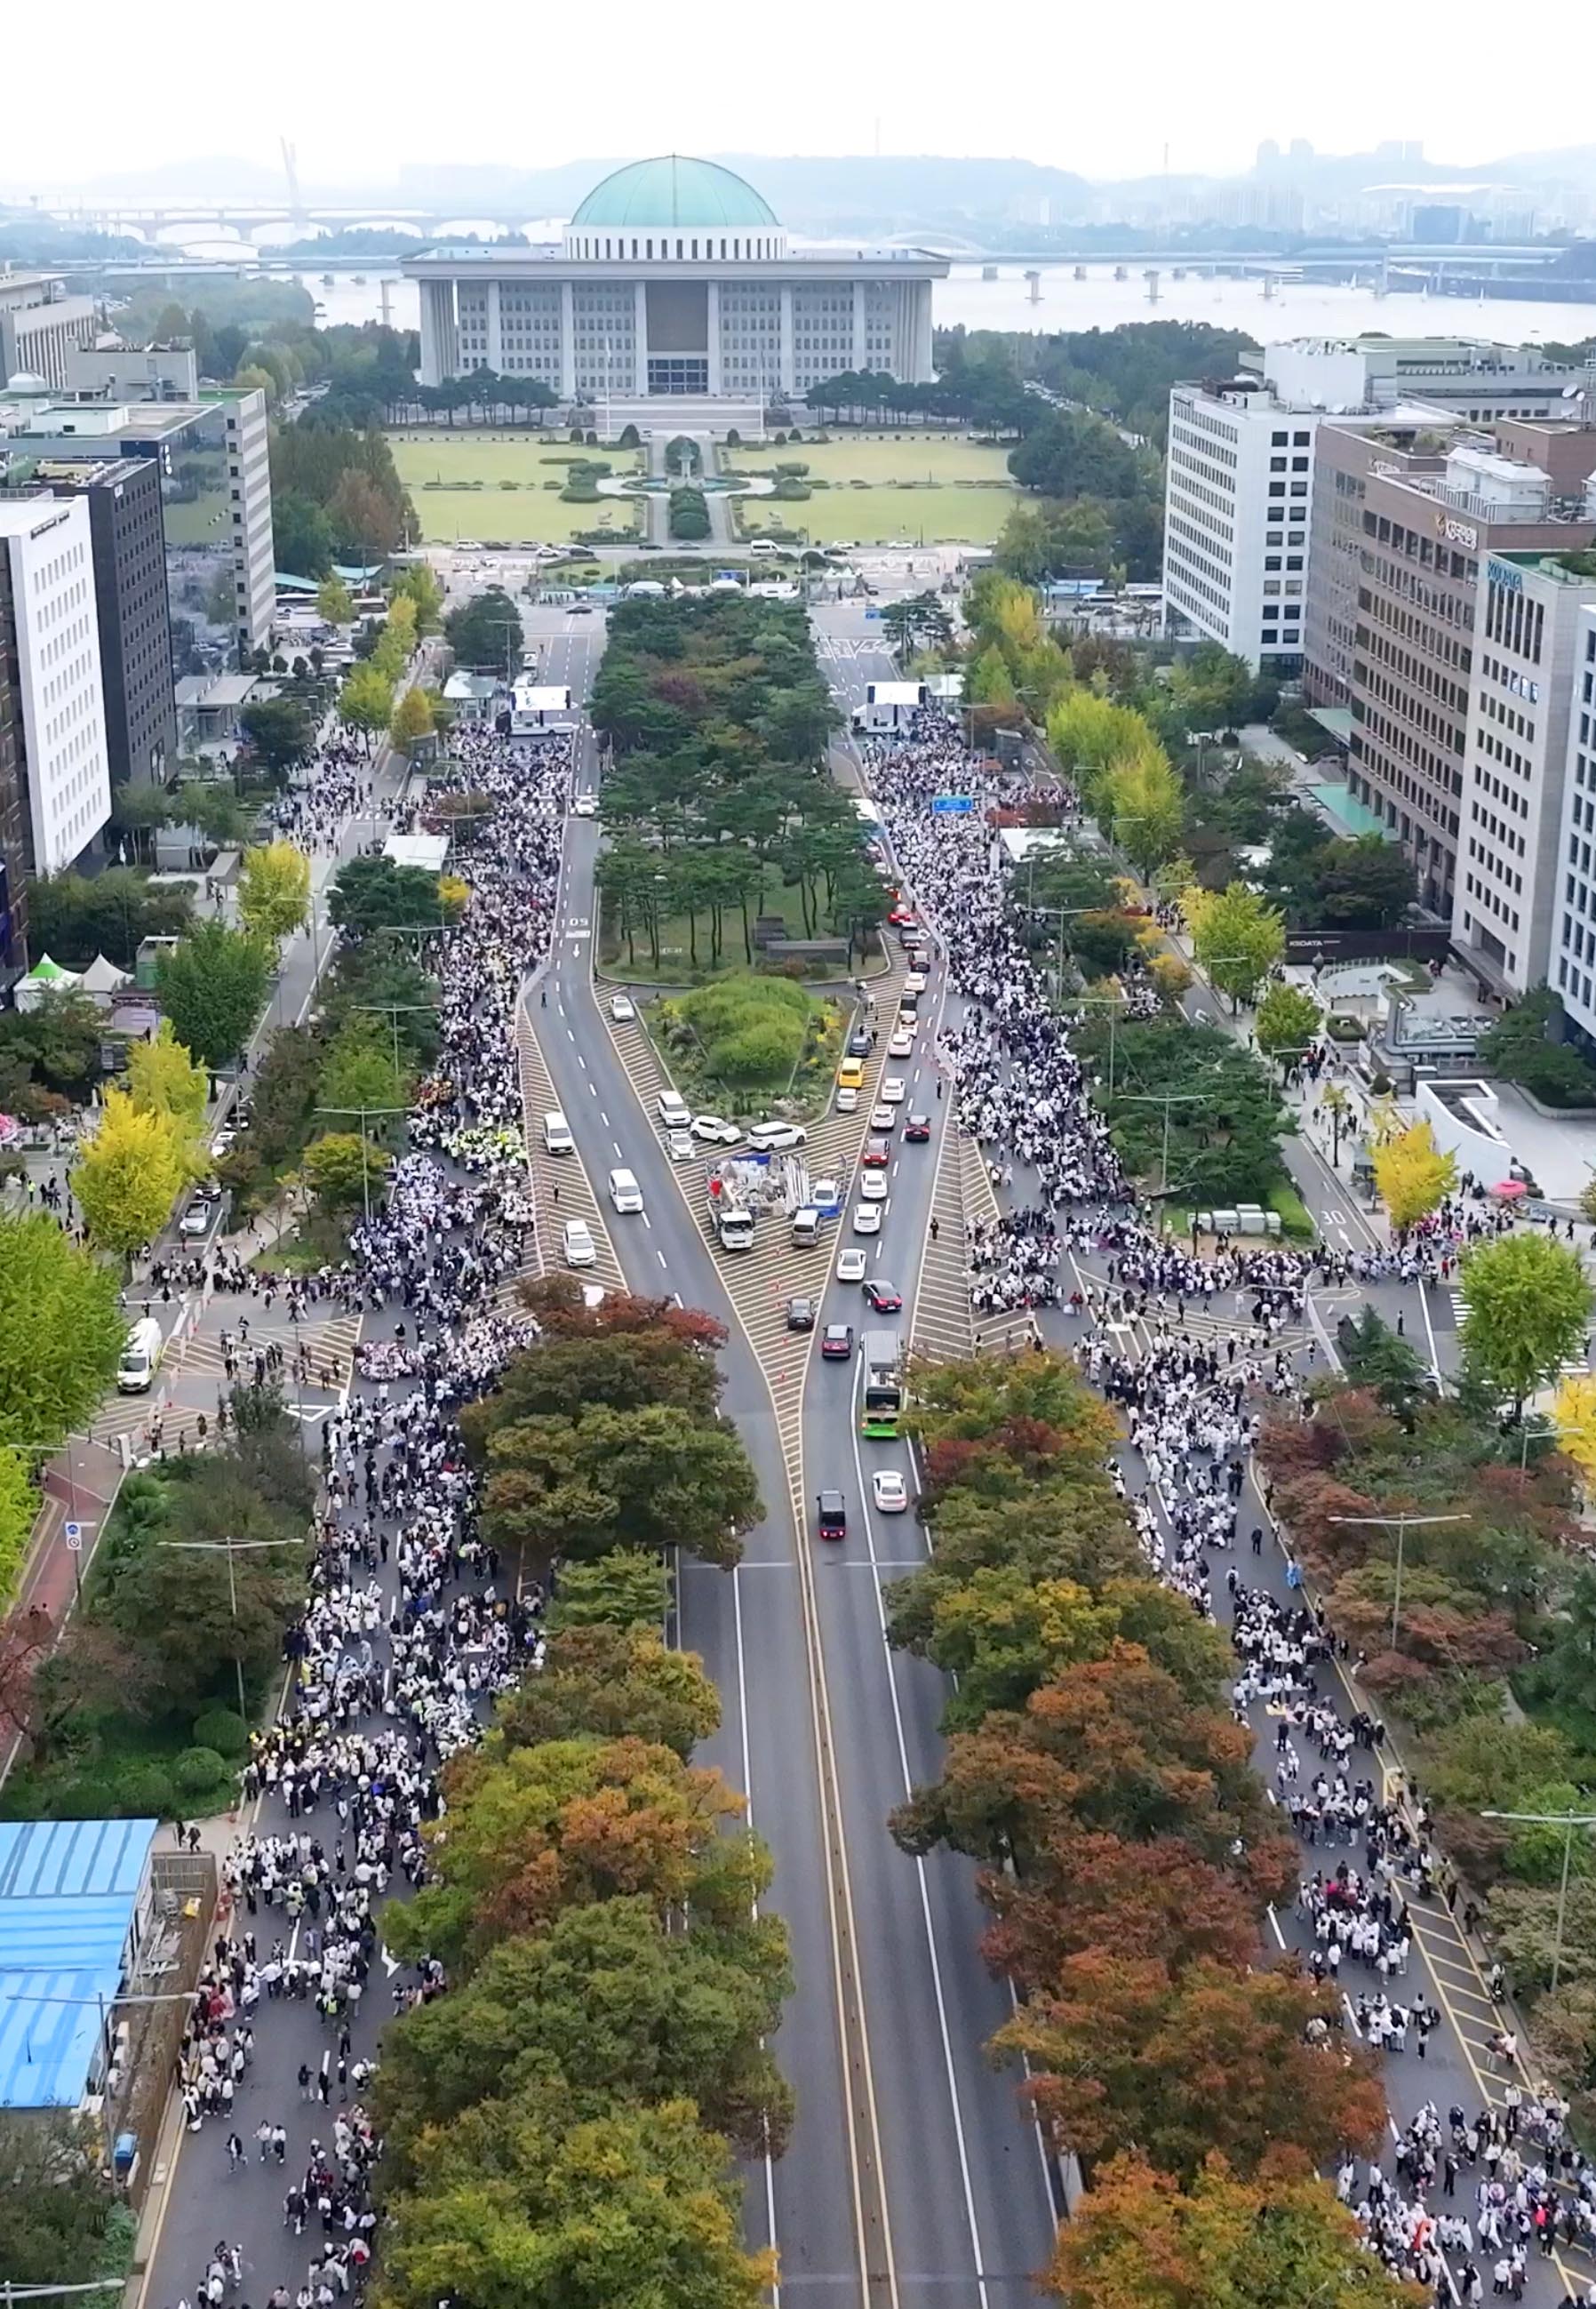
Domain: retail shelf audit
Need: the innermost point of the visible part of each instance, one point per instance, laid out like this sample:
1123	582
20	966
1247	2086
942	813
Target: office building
1237	481
117	372
41	327
1529	616
674	280
1239	471
1573	972
1407	513
122	496
47	573
13	834
216	485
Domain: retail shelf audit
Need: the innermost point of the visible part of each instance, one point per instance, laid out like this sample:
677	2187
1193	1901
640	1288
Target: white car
882	1118
899	1043
872	1186
715	1131
893	1090
867	1219
848	1102
577	1237
622	1007
223	1143
586	806
776	1138
197	1218
915	983
679	1146
892	1492
851	1266
826	1194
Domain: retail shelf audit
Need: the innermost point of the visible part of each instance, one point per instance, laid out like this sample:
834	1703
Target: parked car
622	1007
776	1138
715	1131
577	1241
800	1314
679	1146
848	1102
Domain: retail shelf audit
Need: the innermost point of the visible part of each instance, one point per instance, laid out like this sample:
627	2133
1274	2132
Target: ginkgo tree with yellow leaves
1413	1174
1573	1416
129	1175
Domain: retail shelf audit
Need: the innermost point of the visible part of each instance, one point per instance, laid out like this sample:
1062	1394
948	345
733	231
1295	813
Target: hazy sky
1100	87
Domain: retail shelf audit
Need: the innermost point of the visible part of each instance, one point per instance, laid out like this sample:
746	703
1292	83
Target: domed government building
674	281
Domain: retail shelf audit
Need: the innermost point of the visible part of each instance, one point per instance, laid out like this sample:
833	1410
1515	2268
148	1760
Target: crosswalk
1573	1367
561	1187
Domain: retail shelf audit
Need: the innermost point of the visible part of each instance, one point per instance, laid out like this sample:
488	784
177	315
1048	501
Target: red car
877	1154
902	917
883	1298
918	1129
836	1342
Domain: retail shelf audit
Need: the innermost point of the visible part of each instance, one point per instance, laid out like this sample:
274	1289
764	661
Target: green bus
883	1359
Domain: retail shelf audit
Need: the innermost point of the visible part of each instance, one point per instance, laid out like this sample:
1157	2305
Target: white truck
141	1357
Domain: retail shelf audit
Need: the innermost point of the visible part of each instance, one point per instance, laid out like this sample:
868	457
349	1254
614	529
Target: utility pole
365	1114
1168	1099
1401	1524
227	1547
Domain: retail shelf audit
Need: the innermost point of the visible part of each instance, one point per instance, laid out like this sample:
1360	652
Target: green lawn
916	457
875	516
474	501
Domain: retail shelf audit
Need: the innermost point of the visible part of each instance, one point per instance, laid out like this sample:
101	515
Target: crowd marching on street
1191	1407
410	1624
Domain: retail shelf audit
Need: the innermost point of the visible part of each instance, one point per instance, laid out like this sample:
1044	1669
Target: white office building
49	578
1237	500
674	280
1527	635
1573	974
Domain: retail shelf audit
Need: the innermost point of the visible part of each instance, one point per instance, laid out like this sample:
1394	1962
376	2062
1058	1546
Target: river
1295	309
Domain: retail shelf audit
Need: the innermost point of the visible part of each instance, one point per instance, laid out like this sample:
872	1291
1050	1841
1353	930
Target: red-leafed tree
1142	1900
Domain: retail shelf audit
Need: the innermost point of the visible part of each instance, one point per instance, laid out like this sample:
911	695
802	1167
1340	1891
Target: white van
673	1109
761	545
141	1357
577	1239
556	1134
624	1192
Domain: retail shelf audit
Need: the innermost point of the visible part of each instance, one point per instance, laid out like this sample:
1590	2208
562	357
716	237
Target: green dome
673	191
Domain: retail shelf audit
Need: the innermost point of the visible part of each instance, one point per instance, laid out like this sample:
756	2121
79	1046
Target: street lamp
1567	1821
364	1113
1401	1524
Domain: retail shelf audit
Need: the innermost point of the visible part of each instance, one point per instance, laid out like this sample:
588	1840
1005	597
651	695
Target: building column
437	331
858	326
925	367
712	299
567	341
495	341
788	373
639	328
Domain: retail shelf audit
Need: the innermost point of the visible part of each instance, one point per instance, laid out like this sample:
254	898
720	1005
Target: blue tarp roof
67	1894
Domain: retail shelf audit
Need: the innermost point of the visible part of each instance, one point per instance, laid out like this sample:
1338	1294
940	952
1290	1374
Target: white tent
102	979
46	977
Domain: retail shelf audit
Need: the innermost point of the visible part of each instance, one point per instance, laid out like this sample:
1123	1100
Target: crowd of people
1191	1402
410	1625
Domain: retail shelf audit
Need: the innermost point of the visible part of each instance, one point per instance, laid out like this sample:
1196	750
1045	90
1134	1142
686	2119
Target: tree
62	1330
1236	937
360	1085
61	2204
301	534
523	2208
613	2008
421	586
128	1176
613	1682
366	701
1373	1356
374	893
1574	1409
1526	1312
1337	1103
622	1591
412	719
212	987
343	1171
1145	805
335	604
1413	1176
655	1477
1138	2240
163	1079
280	734
73	917
274	891
1123	2057
1287	1024
485	633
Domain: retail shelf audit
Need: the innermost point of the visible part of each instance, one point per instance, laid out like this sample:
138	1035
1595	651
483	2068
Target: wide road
910	2159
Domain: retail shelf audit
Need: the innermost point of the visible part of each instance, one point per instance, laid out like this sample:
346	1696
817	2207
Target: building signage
1456	532
1504	574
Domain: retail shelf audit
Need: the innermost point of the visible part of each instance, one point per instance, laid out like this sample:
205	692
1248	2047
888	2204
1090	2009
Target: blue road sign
952	805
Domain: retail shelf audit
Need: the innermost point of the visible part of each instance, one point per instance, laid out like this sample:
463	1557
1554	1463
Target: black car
918	1129
858	1043
836	1342
882	1295
831	1515
800	1314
